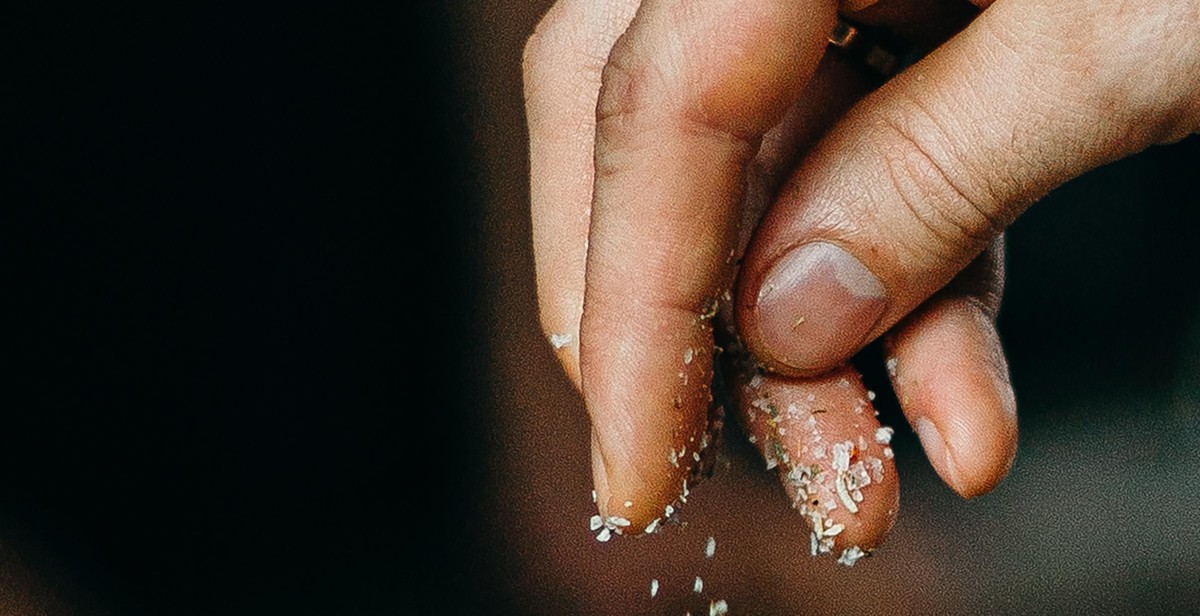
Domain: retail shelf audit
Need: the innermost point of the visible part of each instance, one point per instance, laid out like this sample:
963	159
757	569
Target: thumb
916	181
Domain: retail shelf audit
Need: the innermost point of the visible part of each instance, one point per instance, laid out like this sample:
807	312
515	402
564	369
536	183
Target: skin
679	151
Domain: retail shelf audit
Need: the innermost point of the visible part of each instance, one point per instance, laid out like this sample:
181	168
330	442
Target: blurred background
272	347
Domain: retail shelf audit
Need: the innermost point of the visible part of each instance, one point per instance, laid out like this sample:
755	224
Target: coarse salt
850	556
841	455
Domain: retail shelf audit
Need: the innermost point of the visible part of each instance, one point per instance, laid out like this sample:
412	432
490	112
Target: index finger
686	96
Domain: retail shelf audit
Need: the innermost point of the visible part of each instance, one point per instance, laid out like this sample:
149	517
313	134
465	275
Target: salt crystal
891	367
688	354
710	547
604	535
559	341
858	476
883	435
844	494
870	395
652	526
628	504
653	588
718	608
850	556
876	468
841	455
887	453
698	585
595	523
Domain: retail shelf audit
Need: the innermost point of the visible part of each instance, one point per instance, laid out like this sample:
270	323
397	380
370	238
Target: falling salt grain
883	435
710	547
559	341
698	585
653	588
718	608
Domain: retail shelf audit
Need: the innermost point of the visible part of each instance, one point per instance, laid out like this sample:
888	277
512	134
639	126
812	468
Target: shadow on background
272	347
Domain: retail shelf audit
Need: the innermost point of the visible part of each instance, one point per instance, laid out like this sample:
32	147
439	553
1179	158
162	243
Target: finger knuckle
956	208
629	84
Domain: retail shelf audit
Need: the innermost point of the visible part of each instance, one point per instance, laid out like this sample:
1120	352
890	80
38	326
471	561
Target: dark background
241	244
270	344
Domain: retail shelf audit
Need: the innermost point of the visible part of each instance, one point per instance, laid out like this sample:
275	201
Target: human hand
688	96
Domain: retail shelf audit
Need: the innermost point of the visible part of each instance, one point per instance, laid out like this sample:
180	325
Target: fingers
832	455
562	64
687	93
922	174
951	377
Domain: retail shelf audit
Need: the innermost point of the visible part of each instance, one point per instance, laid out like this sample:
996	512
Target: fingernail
816	305
935	449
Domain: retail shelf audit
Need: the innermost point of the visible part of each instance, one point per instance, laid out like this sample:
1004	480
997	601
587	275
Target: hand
685	101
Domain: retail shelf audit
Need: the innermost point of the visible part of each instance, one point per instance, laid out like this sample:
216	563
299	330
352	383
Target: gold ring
856	43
